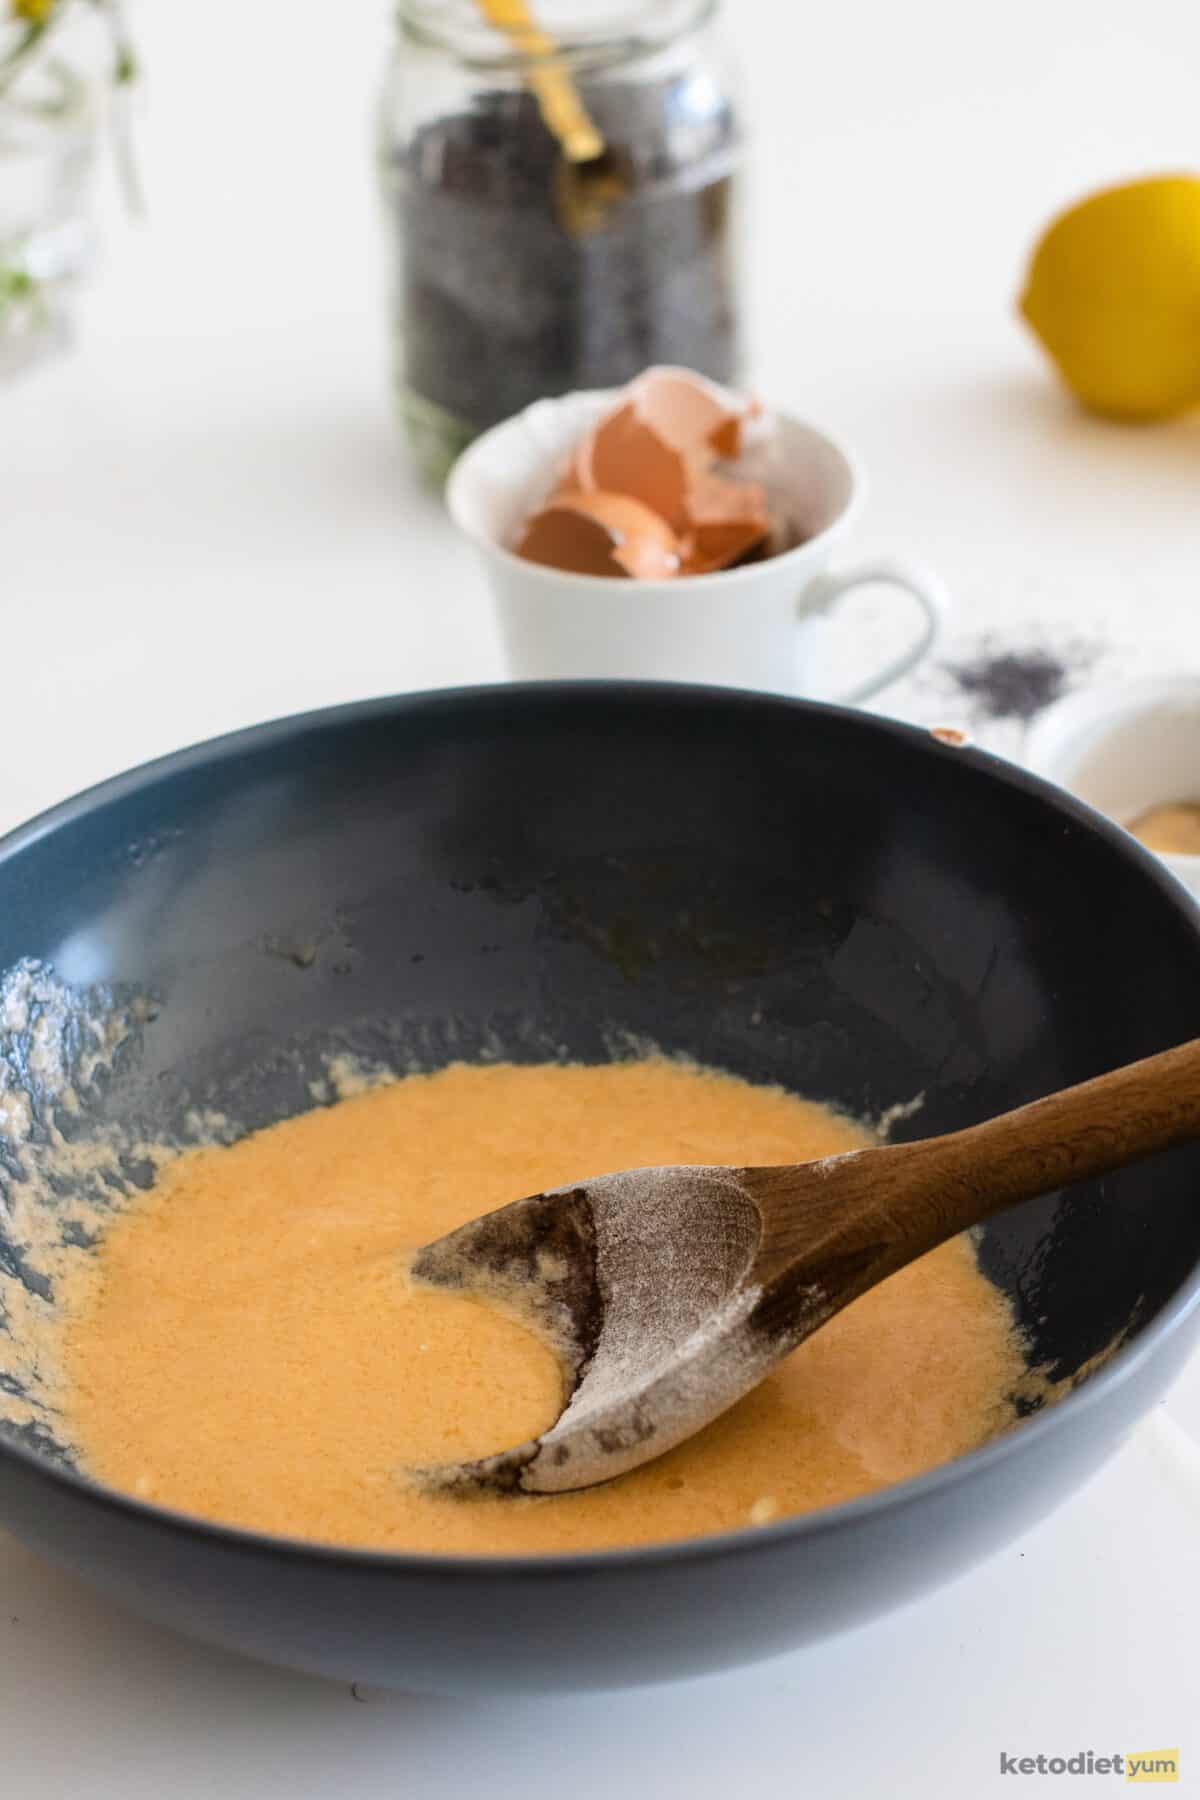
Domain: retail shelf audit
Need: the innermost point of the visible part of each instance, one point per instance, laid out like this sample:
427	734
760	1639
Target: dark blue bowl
796	893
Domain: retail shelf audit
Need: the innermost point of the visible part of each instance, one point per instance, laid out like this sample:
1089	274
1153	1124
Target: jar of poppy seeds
560	182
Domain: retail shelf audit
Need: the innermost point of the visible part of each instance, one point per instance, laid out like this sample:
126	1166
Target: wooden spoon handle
1091	1129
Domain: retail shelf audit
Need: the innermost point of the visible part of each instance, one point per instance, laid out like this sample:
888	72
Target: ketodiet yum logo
1126	1765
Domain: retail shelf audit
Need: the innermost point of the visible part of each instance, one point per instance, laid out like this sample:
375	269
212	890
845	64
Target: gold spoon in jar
671	1292
556	94
588	183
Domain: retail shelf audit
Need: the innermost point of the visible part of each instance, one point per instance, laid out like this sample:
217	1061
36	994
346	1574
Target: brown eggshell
624	455
714	547
727	519
725	438
656	505
601	534
681	410
686	415
718	499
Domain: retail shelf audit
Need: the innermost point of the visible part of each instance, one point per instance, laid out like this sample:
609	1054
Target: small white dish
746	627
1125	747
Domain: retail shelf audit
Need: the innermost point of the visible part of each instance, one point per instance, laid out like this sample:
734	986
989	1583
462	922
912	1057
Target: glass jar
520	273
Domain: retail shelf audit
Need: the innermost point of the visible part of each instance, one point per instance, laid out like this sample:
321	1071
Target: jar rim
458	28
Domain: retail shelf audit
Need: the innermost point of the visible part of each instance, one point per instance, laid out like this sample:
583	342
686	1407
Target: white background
205	520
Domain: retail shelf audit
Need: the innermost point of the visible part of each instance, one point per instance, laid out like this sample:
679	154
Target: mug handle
824	591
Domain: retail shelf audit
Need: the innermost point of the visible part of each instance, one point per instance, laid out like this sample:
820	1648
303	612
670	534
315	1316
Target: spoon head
641	1280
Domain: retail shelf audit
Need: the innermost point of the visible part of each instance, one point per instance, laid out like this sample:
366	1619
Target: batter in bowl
246	1344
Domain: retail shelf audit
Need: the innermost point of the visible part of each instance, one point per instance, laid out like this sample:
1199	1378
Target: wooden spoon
671	1292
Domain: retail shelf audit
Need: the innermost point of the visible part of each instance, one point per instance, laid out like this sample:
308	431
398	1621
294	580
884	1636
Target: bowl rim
1122	1366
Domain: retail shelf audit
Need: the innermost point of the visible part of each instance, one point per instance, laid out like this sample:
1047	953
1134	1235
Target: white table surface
205	520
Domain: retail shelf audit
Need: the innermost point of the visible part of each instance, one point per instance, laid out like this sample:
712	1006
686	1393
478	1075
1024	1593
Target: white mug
747	627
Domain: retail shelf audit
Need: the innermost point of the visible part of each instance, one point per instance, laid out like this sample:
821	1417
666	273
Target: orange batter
248	1347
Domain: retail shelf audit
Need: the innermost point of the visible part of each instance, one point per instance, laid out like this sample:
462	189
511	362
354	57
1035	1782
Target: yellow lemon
1113	293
